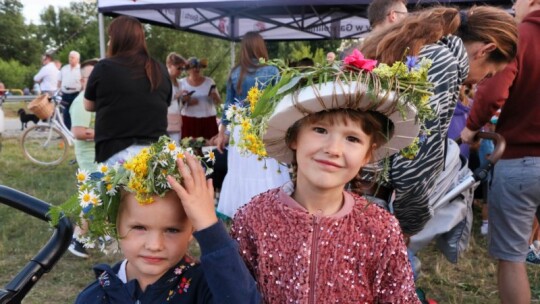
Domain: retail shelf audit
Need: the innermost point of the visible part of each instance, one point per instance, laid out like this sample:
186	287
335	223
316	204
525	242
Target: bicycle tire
43	148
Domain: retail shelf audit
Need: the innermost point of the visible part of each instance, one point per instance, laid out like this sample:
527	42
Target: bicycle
48	144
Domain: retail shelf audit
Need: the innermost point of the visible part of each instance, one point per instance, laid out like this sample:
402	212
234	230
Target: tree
15	75
57	29
21	45
73	28
17	40
85	40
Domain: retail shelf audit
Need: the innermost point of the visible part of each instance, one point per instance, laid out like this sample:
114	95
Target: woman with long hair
130	93
175	65
247	176
465	48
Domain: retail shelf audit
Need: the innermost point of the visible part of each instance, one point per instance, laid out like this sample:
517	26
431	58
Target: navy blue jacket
221	277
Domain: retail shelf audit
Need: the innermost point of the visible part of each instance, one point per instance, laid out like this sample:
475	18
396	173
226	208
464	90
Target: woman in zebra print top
465	48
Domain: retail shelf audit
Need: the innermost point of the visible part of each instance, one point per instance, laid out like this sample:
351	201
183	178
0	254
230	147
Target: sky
33	8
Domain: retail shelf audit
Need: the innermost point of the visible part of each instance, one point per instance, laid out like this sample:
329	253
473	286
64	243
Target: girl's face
329	154
153	237
175	70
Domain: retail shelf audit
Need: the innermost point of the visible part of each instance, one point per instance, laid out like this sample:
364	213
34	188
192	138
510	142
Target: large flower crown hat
399	91
99	194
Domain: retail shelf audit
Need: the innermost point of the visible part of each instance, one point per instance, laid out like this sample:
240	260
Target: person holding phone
200	98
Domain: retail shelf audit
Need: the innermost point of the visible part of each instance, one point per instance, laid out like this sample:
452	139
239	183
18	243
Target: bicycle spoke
44	145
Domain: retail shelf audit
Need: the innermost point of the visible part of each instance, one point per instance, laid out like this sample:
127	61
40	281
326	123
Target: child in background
459	118
486	147
154	226
533	256
312	241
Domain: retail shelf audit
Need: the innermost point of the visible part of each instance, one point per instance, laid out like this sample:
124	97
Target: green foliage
293	50
16	75
17	40
304	51
83	35
21	45
319	56
57	28
71	205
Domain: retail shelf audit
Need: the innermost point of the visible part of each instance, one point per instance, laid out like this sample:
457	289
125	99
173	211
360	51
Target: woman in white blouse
200	98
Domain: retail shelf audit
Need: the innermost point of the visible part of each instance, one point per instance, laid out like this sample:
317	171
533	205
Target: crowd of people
299	231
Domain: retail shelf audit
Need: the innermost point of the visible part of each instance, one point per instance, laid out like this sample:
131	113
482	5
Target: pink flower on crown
356	59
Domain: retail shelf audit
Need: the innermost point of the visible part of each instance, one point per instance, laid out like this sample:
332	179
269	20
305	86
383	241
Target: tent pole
232	53
101	36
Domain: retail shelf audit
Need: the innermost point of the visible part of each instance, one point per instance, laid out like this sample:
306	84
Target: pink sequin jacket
354	256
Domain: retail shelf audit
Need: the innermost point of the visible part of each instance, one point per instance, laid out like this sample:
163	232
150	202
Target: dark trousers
67	100
220	168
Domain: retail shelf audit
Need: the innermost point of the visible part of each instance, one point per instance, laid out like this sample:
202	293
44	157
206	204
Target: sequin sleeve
241	232
394	281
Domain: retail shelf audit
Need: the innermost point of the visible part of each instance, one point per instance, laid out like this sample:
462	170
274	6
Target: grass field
10	108
472	280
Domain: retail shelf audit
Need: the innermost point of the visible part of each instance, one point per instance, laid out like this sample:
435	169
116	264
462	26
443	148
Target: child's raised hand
197	193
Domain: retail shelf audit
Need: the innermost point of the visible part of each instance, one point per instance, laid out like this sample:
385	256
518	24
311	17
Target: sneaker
422	297
533	256
108	245
484	229
77	249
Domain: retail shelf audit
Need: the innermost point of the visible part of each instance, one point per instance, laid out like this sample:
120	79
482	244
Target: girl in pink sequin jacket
311	241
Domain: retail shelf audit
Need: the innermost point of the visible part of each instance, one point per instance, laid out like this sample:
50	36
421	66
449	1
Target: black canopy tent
274	19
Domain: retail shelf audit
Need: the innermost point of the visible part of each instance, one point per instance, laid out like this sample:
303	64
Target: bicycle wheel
44	145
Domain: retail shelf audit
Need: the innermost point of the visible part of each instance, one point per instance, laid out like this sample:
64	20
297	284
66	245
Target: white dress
248	179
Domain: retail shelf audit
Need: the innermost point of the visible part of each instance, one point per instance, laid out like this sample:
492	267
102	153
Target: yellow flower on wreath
424	100
139	166
246	124
253	97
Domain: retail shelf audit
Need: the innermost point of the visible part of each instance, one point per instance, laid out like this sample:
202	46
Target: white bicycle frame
56	121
